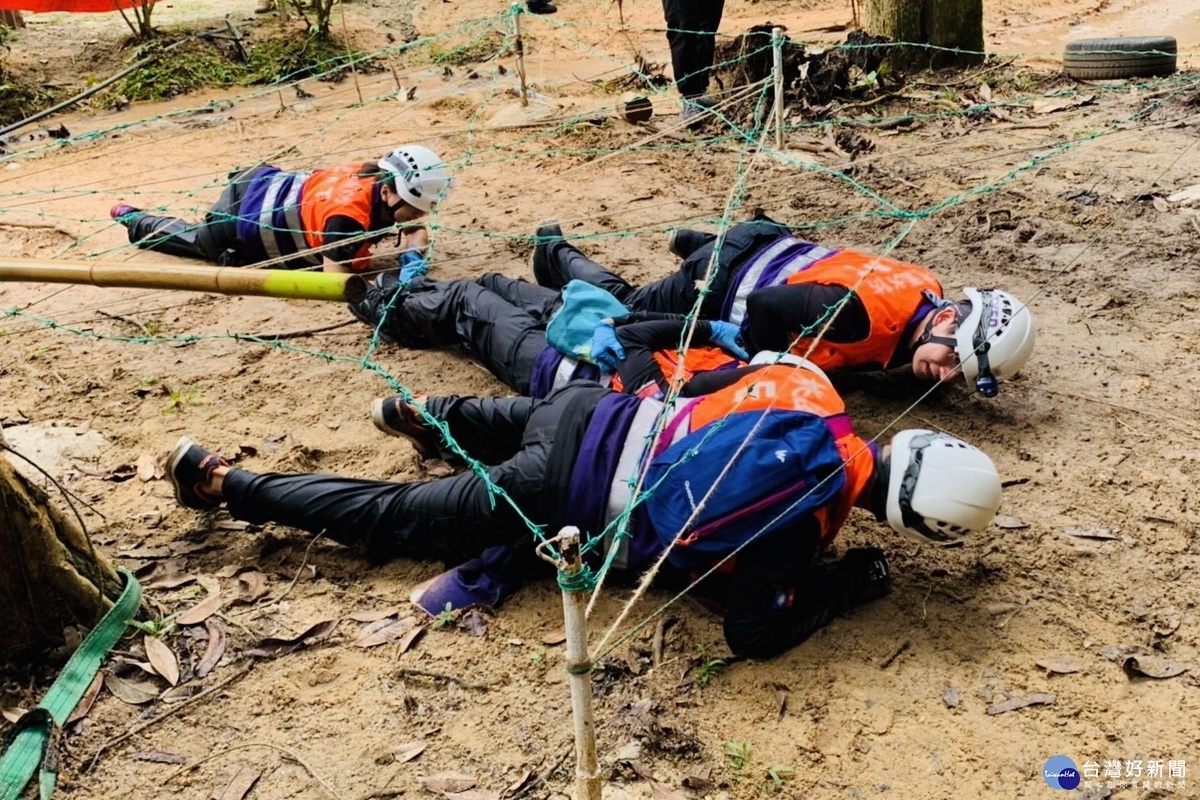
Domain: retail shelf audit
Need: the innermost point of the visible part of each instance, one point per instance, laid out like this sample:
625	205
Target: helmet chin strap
927	333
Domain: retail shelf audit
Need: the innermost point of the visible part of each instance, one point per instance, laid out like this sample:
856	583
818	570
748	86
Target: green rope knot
582	581
579	669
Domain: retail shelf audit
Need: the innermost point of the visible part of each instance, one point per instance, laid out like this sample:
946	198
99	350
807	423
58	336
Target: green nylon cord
28	751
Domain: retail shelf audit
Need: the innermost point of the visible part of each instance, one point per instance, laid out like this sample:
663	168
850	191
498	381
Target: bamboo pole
579	672
294	284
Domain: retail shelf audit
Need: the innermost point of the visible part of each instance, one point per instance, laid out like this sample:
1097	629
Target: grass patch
486	45
282	55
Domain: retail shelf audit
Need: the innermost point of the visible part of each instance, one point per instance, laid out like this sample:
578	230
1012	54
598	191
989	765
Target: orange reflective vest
338	192
784	387
696	359
891	291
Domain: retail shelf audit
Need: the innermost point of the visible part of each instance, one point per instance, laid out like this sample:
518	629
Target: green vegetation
488	44
201	63
710	668
445	619
737	756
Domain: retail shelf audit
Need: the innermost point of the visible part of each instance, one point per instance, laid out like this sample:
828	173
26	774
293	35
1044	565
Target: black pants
498	320
677	293
449	519
691	33
213	240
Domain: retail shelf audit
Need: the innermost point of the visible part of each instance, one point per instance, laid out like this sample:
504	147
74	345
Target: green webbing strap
34	743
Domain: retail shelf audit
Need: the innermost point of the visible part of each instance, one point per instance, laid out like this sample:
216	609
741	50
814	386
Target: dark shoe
697	110
189	467
864	571
378	302
684	241
541	7
395	417
548	234
122	211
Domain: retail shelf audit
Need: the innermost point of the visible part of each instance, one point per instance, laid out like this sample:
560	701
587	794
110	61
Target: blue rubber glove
412	266
728	337
607	352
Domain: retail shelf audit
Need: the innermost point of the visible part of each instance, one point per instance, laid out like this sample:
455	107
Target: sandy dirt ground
1071	200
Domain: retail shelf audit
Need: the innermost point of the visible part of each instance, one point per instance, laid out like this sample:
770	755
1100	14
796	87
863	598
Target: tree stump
50	576
942	23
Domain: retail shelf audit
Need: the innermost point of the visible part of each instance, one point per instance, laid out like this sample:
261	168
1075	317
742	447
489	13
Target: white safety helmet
421	177
939	487
995	339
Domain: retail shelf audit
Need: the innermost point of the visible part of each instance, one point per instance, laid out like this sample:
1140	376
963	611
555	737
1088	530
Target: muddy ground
1071	200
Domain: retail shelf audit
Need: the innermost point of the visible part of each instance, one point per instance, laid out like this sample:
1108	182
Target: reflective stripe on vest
620	491
774	265
280	229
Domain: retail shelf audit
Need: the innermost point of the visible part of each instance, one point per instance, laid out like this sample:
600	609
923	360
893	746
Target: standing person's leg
691	34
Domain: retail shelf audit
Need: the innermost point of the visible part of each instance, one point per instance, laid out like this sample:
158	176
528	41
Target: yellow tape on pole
298	285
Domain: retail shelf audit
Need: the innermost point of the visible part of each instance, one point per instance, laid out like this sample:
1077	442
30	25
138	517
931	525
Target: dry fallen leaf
407	640
388	633
158	757
89	698
374	616
272	646
554	637
1091	532
1061	665
473	622
1151	667
452	782
13	714
214	650
161	658
169	582
201	611
408	751
127	690
147	469
254	586
241	784
1021	702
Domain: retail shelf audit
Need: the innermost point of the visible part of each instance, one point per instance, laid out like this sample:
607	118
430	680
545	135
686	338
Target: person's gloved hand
607	352
412	266
866	575
727	336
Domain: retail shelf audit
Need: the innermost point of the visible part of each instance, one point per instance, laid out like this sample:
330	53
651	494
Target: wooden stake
777	54
579	672
296	284
520	59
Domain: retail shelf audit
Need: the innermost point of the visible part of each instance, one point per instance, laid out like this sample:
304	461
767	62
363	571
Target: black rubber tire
1125	57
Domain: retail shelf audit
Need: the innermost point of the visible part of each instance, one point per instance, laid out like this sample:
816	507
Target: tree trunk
12	19
942	23
50	577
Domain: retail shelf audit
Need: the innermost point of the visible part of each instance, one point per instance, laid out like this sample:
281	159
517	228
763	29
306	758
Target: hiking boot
696	110
685	241
541	7
548	233
395	417
123	212
189	467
